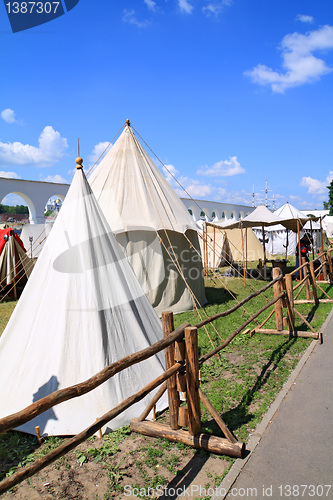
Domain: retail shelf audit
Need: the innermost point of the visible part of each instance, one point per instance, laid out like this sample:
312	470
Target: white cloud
129	17
150	4
9	175
298	61
185	6
58	179
224	168
12	200
8	115
305	19
50	150
314	186
215	8
98	150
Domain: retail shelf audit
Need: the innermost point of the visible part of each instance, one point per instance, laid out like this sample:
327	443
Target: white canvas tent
81	310
15	265
38	233
225	246
282	241
151	224
261	219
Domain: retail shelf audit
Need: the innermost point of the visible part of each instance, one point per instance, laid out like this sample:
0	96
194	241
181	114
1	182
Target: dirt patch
138	466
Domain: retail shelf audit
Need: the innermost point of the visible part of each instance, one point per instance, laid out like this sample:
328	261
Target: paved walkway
292	449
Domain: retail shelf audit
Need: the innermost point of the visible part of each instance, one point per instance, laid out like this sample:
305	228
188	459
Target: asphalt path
291	452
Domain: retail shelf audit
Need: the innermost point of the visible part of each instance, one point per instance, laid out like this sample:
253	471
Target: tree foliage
17	209
330	198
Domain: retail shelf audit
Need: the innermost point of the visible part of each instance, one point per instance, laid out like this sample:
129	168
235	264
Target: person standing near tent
304	247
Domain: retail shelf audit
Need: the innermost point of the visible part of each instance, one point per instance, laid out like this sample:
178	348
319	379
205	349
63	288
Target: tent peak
79	162
127	123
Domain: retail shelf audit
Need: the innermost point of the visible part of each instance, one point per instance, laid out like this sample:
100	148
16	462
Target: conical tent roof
289	211
129	186
261	216
150	221
81	310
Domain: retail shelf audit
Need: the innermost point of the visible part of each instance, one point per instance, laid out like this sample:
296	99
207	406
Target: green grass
241	382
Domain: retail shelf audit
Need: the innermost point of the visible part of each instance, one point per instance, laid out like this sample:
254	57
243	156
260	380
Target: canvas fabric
253	249
154	256
143	209
14	263
39	233
81	310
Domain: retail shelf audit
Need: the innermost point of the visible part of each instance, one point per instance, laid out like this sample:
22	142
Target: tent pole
264	245
321	234
299	249
214	251
287	241
246	247
244	268
311	229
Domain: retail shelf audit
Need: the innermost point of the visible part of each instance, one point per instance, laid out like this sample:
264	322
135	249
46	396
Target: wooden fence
181	375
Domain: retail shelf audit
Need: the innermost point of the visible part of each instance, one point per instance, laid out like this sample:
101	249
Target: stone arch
27	199
234	215
195	211
241	214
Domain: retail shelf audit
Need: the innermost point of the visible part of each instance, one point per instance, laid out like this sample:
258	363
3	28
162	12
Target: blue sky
227	93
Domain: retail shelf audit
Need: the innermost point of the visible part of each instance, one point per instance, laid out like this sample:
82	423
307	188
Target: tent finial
127	123
79	162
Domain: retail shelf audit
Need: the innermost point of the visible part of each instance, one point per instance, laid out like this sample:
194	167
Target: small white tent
281	241
15	265
151	224
81	310
34	237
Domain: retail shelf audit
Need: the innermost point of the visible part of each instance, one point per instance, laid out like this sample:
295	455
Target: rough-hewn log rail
57	397
240	304
206	442
72	443
224	344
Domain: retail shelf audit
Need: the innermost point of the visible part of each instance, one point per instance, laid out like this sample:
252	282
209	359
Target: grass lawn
241	382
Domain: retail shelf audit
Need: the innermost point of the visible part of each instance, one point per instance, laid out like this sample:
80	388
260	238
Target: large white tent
283	241
151	224
81	310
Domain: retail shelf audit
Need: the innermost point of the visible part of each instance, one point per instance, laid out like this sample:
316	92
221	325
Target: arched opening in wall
223	215
190	211
202	214
241	215
52	207
15	210
213	215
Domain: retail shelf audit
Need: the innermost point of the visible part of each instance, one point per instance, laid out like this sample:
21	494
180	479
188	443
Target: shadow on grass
240	415
186	476
15	447
217	296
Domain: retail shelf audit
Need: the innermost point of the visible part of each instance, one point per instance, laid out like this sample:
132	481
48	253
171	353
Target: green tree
330	197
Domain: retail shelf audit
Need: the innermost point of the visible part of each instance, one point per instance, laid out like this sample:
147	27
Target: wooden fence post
324	262
290	301
192	380
330	266
277	287
306	276
312	277
168	327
